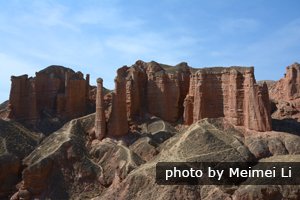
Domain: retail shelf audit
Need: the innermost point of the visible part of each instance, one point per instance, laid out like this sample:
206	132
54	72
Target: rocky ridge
16	142
156	113
185	94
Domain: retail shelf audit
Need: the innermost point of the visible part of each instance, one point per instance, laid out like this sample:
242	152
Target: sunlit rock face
55	91
147	88
285	94
231	93
180	93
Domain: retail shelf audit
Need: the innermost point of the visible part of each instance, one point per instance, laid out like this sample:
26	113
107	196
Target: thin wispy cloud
97	37
106	17
234	25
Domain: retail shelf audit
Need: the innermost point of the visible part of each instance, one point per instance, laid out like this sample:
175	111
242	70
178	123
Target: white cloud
239	25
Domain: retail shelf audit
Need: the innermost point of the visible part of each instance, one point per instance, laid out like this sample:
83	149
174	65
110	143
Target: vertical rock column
87	85
100	122
33	114
292	82
117	122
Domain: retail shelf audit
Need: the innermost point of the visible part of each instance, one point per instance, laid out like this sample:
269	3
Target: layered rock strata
184	93
147	88
285	93
117	122
287	88
231	93
100	121
56	90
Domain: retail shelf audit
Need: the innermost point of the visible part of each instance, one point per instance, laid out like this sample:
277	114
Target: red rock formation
231	93
164	89
54	91
171	94
117	122
287	88
189	110
292	81
286	94
147	88
100	121
135	89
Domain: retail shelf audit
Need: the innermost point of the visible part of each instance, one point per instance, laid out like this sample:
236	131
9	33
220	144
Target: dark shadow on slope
3	105
286	125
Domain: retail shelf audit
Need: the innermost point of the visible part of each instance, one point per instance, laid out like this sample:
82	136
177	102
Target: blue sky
97	37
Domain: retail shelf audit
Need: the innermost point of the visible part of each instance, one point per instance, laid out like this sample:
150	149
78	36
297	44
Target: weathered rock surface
100	121
146	89
113	154
67	165
153	133
262	192
4	110
117	124
16	142
55	91
231	93
203	141
182	93
206	140
285	93
273	143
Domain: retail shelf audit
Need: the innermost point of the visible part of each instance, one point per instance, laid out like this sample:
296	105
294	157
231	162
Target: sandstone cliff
285	94
147	88
181	93
55	91
231	93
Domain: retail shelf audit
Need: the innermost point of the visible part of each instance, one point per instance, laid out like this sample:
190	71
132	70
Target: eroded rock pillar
100	122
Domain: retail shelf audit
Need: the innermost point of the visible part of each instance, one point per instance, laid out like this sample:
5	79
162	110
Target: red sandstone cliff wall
231	93
118	122
147	88
173	93
23	99
285	93
55	91
287	88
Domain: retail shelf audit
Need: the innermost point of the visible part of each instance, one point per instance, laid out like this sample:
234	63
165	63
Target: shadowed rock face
16	142
54	91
